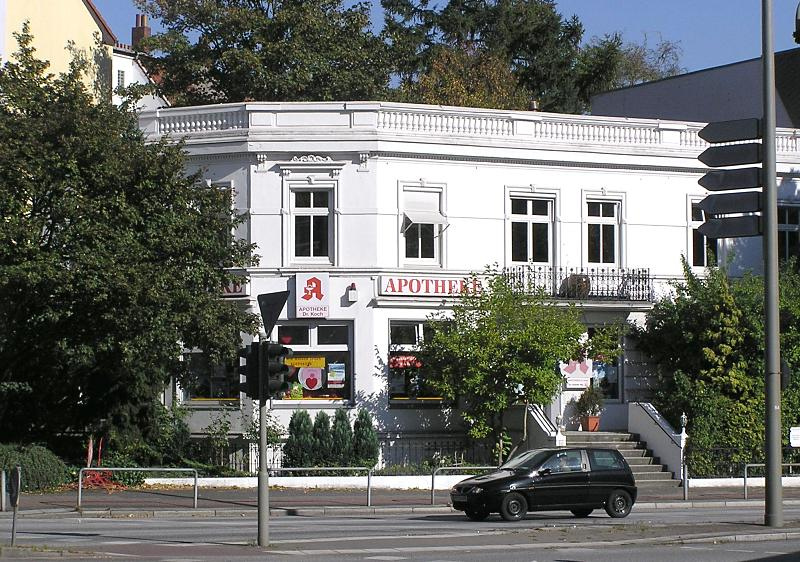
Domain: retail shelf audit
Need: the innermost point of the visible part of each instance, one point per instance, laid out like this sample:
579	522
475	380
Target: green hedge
41	469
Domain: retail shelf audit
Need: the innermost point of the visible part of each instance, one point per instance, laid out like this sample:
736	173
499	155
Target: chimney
141	31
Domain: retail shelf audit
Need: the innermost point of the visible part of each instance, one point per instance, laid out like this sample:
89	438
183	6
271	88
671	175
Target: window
531	230
423	224
602	231
321	365
704	250
206	381
406	380
605	460
788	232
605	375
120	78
311	216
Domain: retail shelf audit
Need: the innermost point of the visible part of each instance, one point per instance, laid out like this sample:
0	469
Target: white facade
384	208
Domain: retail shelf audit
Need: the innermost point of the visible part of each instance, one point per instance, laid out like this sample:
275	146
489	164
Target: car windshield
527	460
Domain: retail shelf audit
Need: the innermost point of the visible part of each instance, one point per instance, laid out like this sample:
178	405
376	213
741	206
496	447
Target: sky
709	32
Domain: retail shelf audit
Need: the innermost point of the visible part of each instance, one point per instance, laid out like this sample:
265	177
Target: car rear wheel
513	507
619	504
477	514
581	512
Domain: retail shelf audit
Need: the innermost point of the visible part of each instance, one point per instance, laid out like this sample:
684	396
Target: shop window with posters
321	365
207	381
406	380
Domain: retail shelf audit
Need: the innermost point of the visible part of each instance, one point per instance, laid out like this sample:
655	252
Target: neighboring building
371	215
732	91
57	24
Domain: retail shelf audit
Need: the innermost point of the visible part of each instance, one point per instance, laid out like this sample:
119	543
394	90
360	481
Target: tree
540	48
468	78
111	261
341	439
266	50
298	451
499	348
706	342
642	63
323	440
365	440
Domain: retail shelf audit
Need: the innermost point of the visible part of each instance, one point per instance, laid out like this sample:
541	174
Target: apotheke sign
311	295
391	285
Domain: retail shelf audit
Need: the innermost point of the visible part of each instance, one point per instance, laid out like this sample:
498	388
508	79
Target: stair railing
551	433
661	438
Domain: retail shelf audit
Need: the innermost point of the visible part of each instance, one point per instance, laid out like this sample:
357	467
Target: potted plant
588	407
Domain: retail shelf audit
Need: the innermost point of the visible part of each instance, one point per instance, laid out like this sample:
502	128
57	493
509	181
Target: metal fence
633	284
730	462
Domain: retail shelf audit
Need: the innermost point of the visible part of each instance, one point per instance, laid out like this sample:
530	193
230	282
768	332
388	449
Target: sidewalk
286	501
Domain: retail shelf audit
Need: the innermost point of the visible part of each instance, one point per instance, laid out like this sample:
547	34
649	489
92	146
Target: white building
371	215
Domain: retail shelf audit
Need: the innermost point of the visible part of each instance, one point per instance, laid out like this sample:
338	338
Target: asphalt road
714	533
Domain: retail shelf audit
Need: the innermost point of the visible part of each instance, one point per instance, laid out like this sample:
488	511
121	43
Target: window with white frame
602	232
321	365
788	231
423	224
406	377
704	250
311	213
120	78
531	229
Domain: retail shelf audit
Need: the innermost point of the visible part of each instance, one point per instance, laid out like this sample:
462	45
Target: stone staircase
646	469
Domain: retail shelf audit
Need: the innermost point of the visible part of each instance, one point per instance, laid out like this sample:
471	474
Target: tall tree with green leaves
501	347
706	342
266	50
111	261
542	49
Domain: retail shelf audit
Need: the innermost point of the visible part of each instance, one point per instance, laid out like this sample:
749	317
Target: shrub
323	440
299	447
341	439
365	440
41	469
117	459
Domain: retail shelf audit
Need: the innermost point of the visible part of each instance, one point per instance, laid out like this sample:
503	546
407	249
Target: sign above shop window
311	295
406	286
236	289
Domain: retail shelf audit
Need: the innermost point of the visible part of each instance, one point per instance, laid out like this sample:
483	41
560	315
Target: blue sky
710	32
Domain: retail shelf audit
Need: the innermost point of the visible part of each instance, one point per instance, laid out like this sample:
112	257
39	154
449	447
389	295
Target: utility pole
773	506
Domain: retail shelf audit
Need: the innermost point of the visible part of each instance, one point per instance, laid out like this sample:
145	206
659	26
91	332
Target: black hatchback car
578	479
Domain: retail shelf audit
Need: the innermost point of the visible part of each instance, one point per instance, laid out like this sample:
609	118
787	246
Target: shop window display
406	380
320	367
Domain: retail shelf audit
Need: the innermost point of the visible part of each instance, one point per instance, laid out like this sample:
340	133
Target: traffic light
274	368
250	370
720	206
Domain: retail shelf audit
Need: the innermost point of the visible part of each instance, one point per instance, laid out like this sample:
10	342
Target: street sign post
725	212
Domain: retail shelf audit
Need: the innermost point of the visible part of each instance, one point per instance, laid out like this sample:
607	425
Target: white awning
416	216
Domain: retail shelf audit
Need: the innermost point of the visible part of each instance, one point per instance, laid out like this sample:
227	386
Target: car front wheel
477	514
619	504
513	507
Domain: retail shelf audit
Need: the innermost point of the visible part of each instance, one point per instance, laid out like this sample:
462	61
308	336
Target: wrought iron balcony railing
633	284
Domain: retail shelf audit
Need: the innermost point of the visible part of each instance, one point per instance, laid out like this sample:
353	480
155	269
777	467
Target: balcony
584	284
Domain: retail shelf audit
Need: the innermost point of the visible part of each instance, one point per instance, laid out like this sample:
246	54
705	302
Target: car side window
564	461
605	460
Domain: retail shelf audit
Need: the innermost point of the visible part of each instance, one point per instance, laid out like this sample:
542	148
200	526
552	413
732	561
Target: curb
334	511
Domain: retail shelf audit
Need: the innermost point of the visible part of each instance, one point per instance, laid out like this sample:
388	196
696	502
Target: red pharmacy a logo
313	289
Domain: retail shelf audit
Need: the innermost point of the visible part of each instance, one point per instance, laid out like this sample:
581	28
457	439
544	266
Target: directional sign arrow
730	131
740	178
731	154
727	203
731	227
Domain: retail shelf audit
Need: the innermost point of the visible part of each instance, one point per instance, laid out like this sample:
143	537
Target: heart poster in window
336	375
310	378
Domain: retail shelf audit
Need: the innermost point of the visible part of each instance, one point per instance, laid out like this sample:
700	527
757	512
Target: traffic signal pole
263	472
773	506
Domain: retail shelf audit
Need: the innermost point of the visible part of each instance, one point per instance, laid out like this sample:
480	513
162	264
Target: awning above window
416	216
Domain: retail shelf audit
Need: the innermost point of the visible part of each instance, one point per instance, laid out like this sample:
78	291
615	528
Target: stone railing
424	120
